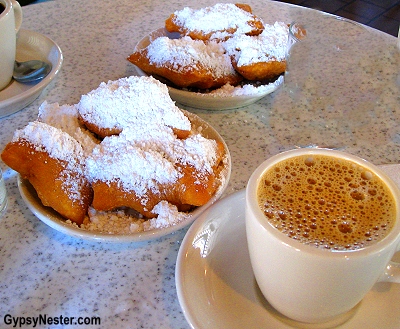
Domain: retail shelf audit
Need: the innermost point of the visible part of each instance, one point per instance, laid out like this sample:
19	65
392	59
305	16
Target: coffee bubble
328	202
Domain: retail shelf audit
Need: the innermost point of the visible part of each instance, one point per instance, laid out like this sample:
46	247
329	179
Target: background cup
310	284
10	22
3	195
297	33
311	63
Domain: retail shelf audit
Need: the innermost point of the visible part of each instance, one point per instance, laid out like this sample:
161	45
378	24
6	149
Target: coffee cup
10	22
322	227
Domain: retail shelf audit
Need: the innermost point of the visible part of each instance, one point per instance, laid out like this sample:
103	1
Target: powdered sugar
137	167
112	222
122	222
168	215
142	162
247	89
120	103
197	151
145	153
185	55
61	146
220	17
65	117
270	45
58	144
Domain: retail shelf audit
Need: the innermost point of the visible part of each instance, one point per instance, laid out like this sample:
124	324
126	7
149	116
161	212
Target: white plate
54	220
30	45
203	100
217	289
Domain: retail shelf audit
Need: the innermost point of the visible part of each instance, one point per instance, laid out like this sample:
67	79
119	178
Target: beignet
187	63
139	171
217	22
126	102
52	161
259	57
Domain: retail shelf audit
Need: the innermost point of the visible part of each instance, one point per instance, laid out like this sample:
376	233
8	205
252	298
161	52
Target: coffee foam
326	201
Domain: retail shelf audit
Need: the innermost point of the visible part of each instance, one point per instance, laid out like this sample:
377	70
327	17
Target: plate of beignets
218	57
120	165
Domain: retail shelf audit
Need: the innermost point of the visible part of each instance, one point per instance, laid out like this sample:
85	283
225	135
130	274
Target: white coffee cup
310	284
10	22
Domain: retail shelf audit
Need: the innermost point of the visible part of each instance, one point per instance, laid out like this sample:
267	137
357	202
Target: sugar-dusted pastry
66	118
155	163
138	170
187	62
52	161
259	57
216	22
218	46
127	102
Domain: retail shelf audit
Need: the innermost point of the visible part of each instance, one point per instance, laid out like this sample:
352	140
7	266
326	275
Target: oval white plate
30	45
217	289
204	100
57	222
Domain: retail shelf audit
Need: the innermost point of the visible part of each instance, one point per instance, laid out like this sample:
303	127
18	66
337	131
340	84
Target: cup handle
17	15
392	270
391	274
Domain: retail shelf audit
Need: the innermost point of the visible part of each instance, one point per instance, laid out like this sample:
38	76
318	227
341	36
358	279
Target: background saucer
206	101
30	45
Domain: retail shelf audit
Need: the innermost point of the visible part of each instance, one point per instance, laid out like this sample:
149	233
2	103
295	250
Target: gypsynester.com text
45	320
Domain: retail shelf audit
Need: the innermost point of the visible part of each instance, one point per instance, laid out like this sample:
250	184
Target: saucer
217	289
51	218
207	101
30	45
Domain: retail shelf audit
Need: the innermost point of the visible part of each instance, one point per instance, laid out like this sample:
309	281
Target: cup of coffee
322	227
10	22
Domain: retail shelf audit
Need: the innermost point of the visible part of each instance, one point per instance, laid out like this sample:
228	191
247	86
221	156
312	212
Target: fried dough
37	153
127	102
260	57
187	63
217	22
189	191
161	168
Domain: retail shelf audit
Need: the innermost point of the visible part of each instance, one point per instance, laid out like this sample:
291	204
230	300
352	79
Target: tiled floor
383	15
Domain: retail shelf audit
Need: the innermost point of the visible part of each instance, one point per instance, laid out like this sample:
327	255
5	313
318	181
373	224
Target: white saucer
217	289
30	45
206	101
53	219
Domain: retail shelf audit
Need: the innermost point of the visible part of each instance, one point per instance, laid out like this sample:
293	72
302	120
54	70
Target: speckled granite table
132	285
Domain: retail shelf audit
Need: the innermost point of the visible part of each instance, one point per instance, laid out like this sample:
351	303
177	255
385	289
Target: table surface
132	285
